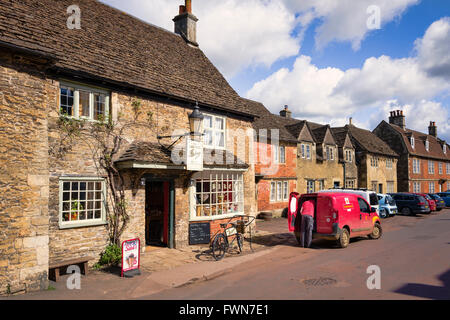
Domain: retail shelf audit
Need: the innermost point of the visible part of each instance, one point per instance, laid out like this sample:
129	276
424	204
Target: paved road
413	255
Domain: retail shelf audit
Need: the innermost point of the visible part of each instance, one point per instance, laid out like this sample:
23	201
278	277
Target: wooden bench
81	262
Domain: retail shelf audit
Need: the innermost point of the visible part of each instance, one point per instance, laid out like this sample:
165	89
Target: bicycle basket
240	227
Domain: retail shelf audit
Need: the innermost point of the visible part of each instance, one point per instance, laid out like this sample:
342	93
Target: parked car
446	197
440	203
387	206
339	216
410	203
430	201
369	195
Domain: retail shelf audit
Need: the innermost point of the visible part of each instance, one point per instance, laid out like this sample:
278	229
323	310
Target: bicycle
236	229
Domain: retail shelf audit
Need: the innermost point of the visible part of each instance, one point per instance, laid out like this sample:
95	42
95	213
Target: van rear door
324	215
293	210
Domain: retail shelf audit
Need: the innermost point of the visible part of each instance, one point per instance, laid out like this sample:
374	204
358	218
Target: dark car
440	203
409	203
446	197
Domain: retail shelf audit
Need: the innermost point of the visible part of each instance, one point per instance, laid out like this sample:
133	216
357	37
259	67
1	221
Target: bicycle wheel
219	247
240	241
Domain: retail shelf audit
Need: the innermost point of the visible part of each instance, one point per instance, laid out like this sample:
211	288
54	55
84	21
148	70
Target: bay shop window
216	194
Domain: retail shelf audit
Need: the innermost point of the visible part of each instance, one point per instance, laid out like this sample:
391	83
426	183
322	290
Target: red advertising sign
131	255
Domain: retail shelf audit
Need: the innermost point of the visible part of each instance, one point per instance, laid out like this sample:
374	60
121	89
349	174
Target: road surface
413	256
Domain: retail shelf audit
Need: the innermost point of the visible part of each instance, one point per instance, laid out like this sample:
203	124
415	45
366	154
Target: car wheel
376	232
406	211
344	239
383	213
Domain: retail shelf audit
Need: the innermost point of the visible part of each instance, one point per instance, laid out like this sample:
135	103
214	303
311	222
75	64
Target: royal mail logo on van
347	206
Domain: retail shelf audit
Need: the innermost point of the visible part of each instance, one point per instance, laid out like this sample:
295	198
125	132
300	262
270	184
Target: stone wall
381	174
313	169
24	176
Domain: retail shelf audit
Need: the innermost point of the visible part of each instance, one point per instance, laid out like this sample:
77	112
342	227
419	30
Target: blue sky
319	57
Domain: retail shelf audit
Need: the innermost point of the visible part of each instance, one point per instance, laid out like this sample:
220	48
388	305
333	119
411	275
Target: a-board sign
131	257
199	233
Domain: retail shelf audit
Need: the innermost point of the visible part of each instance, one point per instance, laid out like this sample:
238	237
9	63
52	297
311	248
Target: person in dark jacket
307	224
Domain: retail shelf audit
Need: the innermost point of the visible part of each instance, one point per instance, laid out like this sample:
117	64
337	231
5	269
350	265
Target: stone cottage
376	161
320	157
55	198
424	158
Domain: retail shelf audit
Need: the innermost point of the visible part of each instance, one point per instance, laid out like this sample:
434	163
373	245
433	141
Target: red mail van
338	216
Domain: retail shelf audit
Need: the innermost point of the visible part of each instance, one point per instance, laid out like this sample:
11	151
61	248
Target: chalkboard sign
199	233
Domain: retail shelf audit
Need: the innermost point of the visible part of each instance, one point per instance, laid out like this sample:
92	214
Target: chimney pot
188	5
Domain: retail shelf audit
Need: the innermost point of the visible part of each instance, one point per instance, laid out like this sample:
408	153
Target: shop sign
131	255
194	152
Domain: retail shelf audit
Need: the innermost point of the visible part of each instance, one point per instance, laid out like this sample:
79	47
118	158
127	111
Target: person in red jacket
306	229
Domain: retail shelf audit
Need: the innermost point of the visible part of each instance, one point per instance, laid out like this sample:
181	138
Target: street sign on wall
131	255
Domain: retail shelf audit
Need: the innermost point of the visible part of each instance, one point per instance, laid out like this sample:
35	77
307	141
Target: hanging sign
194	155
131	255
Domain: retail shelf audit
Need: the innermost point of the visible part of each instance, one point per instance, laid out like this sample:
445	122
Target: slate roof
117	48
154	153
436	145
267	120
367	141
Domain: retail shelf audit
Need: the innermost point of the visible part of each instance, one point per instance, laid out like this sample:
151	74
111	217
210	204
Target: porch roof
153	155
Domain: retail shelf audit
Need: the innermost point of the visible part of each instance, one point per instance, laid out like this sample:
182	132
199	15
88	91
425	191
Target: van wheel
344	239
376	232
406	211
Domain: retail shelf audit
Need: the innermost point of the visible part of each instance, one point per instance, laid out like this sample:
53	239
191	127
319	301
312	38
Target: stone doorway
157	213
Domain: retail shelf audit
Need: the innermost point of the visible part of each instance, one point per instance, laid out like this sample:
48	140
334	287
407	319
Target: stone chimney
432	129
398	119
186	24
350	121
286	113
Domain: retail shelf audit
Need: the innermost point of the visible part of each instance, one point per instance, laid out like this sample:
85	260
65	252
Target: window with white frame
82	201
330	153
448	167
390	187
285	190
431	167
310	186
444	148
214	129
427	145
416	166
282	154
389	163
374	162
431	187
308	151
273	191
348	155
276	153
302	151
413	144
218	193
279	191
83	102
440	168
416	187
350	183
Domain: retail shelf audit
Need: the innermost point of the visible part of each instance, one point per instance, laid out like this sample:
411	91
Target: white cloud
434	49
234	34
345	20
331	95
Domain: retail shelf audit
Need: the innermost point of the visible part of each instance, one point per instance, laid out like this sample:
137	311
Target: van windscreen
373	199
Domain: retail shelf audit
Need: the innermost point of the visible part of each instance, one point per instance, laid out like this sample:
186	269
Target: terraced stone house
54	205
376	162
424	163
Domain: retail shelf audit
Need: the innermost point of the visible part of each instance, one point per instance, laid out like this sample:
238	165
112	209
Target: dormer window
427	145
412	142
445	149
330	153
